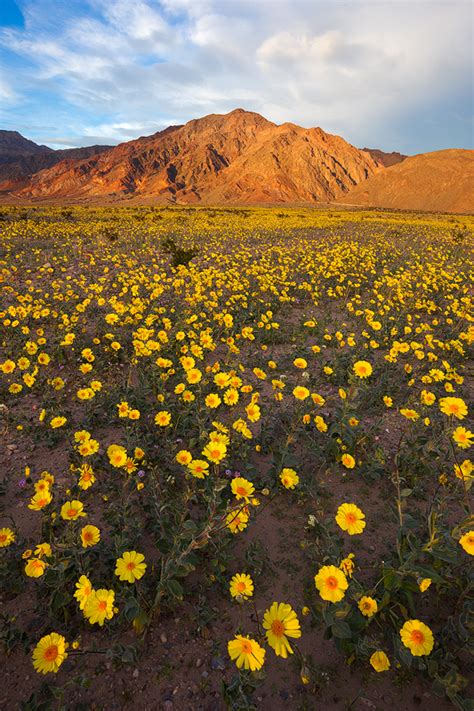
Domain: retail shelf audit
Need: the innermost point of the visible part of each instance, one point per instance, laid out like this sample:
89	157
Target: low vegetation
236	457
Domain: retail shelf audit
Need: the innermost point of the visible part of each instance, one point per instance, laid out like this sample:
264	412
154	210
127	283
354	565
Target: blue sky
392	74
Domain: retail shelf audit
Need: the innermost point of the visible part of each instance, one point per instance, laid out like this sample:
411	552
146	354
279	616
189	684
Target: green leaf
175	589
341	630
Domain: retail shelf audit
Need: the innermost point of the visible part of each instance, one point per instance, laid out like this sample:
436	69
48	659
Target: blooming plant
198	404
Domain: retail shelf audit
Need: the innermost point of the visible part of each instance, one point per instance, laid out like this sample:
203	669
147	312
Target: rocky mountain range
21	158
235	158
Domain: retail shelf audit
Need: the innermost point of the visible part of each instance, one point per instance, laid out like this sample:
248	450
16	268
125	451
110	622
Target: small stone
163	637
198	662
218	664
135	673
205	674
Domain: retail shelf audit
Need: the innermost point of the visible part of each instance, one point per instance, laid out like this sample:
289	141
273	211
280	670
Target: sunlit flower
241	586
99	606
7	537
90	536
83	591
237	521
331	583
424	584
453	406
242	488
162	418
379	661
348	461
72	510
215	451
467	542
35	567
362	369
350	518
130	566
300	392
289	478
368	606
40	500
198	468
417	637
463	437
246	653
49	653
280	622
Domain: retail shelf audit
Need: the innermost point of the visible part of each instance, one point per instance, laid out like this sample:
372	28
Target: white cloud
6	92
369	70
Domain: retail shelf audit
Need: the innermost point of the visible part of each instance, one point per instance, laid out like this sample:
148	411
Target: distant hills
235	158
386	159
21	158
440	181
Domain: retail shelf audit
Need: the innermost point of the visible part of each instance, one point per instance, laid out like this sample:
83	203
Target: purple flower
141	473
22	483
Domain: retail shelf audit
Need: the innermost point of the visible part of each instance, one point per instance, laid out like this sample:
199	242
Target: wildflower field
235	459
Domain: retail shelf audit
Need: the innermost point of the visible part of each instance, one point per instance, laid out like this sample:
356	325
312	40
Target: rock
163	638
217	663
135	673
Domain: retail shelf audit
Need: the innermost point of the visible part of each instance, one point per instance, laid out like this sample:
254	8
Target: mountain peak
237	157
13	143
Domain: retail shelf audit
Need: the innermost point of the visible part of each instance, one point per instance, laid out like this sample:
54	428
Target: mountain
20	158
385	159
13	145
442	181
239	157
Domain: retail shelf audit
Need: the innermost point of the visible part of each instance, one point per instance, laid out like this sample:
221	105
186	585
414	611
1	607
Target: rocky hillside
441	181
238	157
20	158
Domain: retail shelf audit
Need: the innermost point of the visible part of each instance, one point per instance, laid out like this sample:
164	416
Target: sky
389	74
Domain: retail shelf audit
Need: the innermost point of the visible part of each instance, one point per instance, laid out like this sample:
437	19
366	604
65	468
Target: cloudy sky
392	74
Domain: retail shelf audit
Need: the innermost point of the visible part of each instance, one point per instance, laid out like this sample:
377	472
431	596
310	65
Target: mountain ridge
21	158
237	157
441	181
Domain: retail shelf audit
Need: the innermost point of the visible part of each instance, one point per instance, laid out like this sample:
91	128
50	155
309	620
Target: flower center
331	582
241	587
51	653
417	637
102	605
242	491
246	647
278	628
71	512
351	518
130	565
3	537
